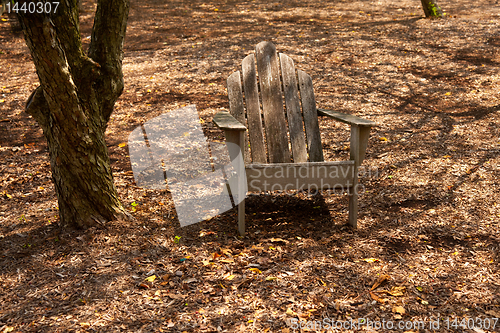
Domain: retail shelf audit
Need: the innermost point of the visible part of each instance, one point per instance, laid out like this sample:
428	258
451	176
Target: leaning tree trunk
431	8
74	102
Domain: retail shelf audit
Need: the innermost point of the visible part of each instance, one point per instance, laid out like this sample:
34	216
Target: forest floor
429	221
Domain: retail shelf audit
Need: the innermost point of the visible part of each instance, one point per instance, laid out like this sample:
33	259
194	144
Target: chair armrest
227	122
346	118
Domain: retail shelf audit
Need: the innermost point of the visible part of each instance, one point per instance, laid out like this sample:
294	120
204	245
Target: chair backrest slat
293	111
310	115
236	104
254	118
272	103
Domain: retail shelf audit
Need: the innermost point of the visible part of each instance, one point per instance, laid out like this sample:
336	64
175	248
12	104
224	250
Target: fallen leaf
175	296
123	144
397	291
371	259
227	261
494	314
398	309
230	277
150	278
275	240
206	233
304	315
381	280
255	270
263	261
244	283
376	297
291	313
271	278
226	251
383	138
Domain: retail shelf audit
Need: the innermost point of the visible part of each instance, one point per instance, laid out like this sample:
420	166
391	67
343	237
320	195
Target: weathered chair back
300	109
278	161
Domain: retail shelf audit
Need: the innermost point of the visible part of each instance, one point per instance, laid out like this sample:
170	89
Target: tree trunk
431	8
74	102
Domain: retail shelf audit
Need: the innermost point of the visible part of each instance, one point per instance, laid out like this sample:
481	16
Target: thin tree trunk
74	102
431	8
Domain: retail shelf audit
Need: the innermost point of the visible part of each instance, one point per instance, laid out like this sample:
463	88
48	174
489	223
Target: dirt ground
425	251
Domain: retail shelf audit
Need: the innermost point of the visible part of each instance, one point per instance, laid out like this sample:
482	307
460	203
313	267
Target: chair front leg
359	141
236	140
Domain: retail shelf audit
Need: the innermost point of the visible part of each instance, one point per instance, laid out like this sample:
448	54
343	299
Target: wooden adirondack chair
268	162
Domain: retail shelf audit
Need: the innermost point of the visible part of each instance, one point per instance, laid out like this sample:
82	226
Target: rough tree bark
431	8
74	102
